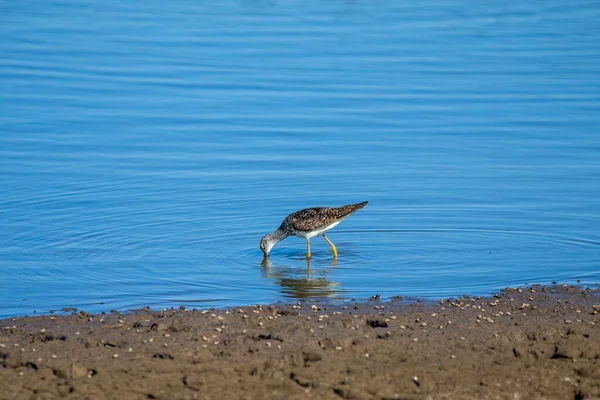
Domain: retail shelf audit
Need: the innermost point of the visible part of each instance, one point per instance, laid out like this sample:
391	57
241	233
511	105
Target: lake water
146	147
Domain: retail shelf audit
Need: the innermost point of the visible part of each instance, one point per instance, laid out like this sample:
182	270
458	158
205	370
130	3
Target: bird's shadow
301	282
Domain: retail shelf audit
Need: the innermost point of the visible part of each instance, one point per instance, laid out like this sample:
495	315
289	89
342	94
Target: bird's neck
279	235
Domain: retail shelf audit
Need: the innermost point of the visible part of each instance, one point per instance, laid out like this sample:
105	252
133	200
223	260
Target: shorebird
309	223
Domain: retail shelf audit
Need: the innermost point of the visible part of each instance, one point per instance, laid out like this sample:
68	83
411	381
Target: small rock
78	371
377	323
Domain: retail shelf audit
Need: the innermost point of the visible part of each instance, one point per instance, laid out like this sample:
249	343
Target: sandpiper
309	223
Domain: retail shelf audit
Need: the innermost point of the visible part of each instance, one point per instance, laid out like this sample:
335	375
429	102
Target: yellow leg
332	246
308	247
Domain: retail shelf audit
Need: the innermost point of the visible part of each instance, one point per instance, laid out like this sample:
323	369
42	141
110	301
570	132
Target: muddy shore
525	343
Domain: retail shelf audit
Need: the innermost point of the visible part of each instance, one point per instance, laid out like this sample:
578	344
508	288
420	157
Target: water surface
147	147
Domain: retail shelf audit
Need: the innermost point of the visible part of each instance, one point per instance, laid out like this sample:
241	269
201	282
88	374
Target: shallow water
146	150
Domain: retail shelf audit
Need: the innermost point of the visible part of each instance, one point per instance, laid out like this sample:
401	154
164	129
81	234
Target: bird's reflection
297	282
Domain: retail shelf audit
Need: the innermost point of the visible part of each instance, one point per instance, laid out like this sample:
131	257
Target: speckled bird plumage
308	223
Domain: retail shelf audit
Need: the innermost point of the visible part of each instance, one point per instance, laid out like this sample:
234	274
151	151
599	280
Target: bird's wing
319	217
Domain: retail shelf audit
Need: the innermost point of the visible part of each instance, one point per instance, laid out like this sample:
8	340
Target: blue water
146	147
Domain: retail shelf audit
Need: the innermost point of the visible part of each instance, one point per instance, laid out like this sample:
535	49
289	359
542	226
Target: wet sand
526	343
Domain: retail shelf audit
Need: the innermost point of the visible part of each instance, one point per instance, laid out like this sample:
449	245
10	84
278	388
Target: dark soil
527	343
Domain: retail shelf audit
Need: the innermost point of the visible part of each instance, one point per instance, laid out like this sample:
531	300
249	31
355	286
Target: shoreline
529	342
329	302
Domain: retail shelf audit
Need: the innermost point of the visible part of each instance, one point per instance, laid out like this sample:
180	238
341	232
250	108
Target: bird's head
267	243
